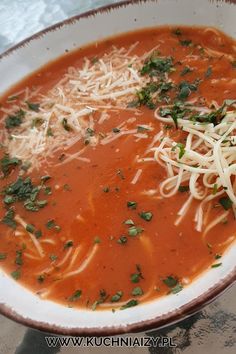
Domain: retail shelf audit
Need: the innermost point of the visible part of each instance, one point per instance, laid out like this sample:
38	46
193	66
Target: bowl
18	303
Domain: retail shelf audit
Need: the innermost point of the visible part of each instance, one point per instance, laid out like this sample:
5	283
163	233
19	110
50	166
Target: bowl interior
48	45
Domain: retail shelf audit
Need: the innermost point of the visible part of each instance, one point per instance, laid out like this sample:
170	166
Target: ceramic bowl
19	303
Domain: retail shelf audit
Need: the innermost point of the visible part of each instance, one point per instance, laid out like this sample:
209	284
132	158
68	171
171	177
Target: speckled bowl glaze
16	301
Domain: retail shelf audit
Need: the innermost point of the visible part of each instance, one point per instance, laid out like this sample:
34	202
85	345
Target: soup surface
118	168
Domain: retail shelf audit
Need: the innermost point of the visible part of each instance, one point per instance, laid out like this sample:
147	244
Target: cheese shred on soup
117	166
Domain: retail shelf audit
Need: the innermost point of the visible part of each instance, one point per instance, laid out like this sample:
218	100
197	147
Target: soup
118	168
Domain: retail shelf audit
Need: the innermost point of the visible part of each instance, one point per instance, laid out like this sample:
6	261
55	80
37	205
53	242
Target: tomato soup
118	168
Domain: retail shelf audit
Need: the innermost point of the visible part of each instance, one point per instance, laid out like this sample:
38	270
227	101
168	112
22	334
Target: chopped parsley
7	164
178	111
129	304
135	277
68	244
90	132
177	32
53	257
13	121
3	256
129	222
33	106
66	187
215	189
23	190
8	219
48	191
217	256
51	224
214	117
38	233
185	89
134	230
173	283
41	278
181	148
216	265
30	228
186	42
146	215
116	130
208	73
137	291
170	281
156	65
45	178
132	205
117	296
76	296
150	94
185	71
102	298
183	189
16	274
122	240
65	125
226	202
97	240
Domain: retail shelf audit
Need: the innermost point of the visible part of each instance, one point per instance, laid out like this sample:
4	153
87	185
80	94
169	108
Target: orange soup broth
88	214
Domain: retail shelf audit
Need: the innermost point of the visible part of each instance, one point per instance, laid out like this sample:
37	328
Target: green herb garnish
135	230
157	65
102	298
117	296
97	240
53	257
173	283
33	106
135	277
170	281
116	130
7	164
186	42
226	202
218	256
77	294
208	73
51	224
8	219
13	121
16	274
3	256
129	304
183	189
216	265
65	125
185	90
41	278
132	205
146	215
137	291
30	228
129	222
68	244
122	240
185	71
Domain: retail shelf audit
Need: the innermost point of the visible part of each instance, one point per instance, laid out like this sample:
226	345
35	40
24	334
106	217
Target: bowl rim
167	319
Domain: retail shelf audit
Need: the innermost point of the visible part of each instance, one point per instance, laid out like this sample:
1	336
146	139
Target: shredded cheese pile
66	112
